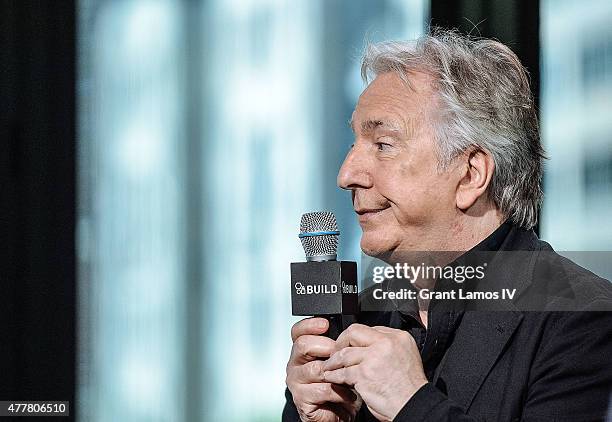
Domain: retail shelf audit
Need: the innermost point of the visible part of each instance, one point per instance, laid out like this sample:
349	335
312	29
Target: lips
363	211
366	214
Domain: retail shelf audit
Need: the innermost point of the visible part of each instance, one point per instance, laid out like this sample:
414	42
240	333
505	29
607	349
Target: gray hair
484	103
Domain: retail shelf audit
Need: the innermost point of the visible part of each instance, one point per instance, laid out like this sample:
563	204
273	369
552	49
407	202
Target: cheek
419	196
397	179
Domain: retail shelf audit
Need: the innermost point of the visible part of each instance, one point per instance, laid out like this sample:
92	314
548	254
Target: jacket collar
483	333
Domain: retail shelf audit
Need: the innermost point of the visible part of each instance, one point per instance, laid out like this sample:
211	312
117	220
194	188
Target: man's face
402	201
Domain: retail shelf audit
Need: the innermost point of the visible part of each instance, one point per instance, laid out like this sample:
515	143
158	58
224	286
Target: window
206	130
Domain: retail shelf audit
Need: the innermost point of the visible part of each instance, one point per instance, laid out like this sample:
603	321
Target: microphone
323	286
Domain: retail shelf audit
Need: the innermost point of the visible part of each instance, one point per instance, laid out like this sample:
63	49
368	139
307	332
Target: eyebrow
373	124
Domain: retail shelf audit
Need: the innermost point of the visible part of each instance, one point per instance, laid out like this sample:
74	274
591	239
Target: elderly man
447	157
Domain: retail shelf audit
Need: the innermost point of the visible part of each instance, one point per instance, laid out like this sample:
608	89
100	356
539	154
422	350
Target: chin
376	246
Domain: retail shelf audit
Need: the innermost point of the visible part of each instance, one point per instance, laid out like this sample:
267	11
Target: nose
354	172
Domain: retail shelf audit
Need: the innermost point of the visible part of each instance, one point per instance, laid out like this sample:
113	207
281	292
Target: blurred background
157	156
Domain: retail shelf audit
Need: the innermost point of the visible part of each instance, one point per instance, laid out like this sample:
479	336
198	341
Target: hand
315	399
383	364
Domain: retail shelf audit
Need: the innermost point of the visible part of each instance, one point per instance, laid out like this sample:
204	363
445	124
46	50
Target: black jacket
517	364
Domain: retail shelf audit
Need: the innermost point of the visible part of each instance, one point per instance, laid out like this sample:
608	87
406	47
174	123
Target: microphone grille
319	235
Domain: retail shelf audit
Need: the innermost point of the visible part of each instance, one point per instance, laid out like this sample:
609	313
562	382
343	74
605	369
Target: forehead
390	100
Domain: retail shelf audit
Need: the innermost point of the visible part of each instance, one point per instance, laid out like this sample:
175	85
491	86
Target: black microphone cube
324	288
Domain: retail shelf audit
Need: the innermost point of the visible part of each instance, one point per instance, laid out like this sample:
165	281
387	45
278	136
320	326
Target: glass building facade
576	106
206	129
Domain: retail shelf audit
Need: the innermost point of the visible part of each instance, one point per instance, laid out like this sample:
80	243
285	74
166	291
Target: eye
383	146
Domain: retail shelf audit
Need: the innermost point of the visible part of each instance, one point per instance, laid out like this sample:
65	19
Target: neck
468	231
450	242
455	237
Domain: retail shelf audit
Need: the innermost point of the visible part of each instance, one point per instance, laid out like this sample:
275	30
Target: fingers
309	326
341	411
348	408
348	356
348	376
310	372
401	335
323	392
383	329
307	348
358	335
305	373
348	395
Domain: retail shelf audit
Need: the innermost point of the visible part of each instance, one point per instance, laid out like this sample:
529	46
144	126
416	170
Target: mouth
365	214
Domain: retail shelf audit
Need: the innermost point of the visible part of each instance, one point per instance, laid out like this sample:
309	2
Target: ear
475	178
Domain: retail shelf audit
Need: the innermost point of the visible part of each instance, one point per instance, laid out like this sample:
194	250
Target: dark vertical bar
194	249
37	150
528	30
513	22
10	169
445	13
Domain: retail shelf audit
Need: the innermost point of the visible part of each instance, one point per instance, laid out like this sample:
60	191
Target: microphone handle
336	326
